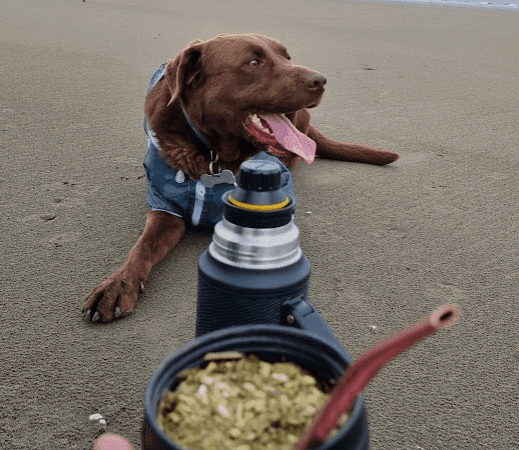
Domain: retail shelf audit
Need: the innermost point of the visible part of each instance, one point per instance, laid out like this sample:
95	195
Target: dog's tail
346	151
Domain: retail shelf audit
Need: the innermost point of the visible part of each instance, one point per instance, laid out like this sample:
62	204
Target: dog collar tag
225	176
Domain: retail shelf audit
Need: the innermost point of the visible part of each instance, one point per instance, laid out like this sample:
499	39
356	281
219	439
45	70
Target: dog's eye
254	62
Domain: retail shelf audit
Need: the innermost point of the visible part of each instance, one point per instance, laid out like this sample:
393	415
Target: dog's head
228	82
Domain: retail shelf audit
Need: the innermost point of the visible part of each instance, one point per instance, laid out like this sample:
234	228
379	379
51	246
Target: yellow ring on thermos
259	207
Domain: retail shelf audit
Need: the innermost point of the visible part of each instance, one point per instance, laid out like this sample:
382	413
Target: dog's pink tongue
290	137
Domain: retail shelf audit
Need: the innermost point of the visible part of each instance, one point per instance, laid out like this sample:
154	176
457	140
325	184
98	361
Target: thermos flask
254	262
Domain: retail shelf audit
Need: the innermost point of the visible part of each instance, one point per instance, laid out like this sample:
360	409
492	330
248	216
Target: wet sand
388	244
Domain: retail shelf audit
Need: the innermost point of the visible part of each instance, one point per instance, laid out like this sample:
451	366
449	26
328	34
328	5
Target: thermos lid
259	187
259	200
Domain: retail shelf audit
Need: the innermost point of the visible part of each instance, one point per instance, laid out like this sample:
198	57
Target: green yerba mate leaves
239	402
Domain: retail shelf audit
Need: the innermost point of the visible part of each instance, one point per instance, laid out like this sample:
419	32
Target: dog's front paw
114	298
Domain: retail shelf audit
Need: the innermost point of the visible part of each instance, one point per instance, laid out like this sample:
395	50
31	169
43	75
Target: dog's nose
314	80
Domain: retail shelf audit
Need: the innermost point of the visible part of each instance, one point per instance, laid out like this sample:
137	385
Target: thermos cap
259	187
259	200
260	175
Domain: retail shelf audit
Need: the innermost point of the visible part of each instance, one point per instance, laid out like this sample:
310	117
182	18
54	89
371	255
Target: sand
388	244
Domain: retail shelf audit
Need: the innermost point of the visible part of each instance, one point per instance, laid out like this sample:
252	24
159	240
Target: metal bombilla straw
364	369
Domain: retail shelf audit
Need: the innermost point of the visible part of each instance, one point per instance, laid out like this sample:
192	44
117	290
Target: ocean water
500	5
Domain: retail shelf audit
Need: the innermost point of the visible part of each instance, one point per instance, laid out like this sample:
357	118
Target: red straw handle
364	369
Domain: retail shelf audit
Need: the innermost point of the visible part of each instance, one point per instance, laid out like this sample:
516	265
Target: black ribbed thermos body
254	262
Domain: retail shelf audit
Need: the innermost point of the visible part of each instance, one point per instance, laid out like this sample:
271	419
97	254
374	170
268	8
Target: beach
388	245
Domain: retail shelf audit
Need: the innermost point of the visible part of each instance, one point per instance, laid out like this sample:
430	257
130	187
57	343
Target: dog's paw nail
95	317
142	288
88	313
117	312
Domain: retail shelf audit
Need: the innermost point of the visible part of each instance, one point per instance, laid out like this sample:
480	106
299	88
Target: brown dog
218	103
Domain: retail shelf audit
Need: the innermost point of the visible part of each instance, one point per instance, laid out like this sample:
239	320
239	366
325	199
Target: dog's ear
184	70
195	42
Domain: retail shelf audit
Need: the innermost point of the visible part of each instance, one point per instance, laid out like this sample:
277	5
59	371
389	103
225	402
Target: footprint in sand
62	198
7	119
132	167
61	240
449	293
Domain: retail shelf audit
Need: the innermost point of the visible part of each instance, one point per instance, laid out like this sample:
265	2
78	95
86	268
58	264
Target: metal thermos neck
255	248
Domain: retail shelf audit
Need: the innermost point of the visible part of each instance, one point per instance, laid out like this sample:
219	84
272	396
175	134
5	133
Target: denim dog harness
172	191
